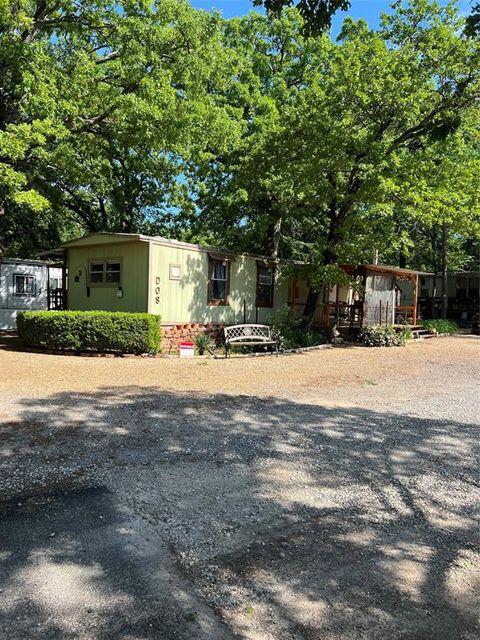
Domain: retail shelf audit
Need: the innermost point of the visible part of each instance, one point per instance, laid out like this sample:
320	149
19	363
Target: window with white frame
24	284
104	272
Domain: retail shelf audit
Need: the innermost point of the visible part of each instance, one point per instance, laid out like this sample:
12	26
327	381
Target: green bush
289	333
203	342
378	336
440	326
90	331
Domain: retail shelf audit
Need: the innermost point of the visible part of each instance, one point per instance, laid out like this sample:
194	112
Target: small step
422	334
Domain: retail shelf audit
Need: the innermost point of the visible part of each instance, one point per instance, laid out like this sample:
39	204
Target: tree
472	22
322	151
317	14
438	206
102	106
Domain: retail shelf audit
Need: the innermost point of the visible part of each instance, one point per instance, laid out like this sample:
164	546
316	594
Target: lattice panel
247	331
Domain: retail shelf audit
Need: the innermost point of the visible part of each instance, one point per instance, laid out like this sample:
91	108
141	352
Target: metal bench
248	335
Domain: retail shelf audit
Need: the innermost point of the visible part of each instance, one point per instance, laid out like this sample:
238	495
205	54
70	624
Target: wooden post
386	314
244	311
380	313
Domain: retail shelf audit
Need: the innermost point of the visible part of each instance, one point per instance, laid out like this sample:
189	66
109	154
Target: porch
380	295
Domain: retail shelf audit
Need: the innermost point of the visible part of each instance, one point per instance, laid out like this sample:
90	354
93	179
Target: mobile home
27	285
185	284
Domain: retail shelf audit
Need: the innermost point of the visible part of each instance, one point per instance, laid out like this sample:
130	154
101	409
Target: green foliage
247	133
334	136
90	330
379	336
203	342
101	104
440	326
438	187
290	334
317	14
472	22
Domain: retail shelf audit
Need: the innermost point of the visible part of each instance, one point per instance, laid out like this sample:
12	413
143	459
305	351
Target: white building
27	285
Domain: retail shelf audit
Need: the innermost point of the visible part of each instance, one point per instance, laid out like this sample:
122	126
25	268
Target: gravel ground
332	495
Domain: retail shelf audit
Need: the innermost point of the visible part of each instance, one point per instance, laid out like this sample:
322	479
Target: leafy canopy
101	103
317	14
333	132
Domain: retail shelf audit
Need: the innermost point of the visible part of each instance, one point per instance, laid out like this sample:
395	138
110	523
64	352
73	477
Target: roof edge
160	240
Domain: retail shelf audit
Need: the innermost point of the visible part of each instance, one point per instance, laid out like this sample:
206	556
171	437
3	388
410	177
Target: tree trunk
310	307
328	258
276	237
444	270
271	244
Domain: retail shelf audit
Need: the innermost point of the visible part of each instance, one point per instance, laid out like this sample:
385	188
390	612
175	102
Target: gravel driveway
332	495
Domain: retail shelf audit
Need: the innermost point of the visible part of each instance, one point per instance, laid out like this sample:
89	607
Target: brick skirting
172	335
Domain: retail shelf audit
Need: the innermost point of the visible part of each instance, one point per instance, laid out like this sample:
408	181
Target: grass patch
440	326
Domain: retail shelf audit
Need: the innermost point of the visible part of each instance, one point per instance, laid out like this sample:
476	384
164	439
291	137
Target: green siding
134	256
147	285
185	300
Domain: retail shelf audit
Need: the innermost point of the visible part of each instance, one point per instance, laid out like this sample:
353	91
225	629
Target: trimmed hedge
440	326
102	331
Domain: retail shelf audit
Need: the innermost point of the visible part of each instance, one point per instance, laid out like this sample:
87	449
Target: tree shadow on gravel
297	520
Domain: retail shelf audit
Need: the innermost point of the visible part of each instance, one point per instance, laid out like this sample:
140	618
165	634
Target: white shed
27	285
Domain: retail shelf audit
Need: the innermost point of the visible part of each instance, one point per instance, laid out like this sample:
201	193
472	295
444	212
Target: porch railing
341	314
405	314
351	315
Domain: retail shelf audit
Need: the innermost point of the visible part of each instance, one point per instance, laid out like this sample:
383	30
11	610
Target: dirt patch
331	495
37	375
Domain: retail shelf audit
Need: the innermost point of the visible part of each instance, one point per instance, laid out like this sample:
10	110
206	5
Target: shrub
289	333
378	336
440	326
203	342
90	331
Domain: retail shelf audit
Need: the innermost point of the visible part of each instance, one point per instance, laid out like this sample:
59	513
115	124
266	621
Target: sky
370	10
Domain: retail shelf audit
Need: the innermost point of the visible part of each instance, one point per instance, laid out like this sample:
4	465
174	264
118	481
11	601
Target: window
265	278
24	285
219	281
104	272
